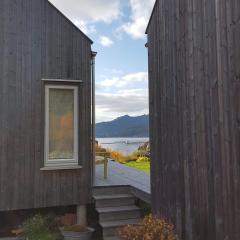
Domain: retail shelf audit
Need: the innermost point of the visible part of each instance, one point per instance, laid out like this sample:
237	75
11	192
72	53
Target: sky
117	28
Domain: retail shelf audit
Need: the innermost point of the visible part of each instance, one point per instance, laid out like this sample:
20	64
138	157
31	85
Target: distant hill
124	126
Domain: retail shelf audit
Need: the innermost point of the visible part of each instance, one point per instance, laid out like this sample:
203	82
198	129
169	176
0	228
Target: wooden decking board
119	174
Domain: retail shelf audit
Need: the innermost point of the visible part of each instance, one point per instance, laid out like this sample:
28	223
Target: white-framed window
61	125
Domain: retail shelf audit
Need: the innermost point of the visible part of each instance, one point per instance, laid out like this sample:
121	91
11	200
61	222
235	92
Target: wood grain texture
194	69
38	42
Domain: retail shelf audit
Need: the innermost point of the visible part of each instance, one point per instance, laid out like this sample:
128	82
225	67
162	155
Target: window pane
61	123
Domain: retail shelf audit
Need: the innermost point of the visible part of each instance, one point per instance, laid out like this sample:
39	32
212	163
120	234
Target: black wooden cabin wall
194	69
37	41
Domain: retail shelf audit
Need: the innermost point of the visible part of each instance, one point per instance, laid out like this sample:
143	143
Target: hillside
124	126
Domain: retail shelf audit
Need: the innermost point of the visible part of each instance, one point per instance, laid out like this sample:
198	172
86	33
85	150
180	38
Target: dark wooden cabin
194	71
45	108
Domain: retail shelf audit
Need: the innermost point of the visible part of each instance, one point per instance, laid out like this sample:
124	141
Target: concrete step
118	213
111	190
110	228
114	200
116	208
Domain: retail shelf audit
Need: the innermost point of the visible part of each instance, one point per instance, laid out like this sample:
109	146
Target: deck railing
102	158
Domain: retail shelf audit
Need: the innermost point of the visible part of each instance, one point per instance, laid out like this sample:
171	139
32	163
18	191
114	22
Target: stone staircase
116	208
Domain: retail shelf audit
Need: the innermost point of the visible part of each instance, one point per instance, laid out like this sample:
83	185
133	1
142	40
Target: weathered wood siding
194	70
37	41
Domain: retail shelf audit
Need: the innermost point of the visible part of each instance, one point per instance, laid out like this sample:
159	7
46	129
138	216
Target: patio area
119	174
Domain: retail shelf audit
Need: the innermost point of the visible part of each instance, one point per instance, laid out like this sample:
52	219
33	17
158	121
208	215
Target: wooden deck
119	174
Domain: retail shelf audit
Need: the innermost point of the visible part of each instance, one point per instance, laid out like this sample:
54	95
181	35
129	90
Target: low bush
99	148
138	156
143	159
141	153
117	156
144	147
41	228
151	228
120	157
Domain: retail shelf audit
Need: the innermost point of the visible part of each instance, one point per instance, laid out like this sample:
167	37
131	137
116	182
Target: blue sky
117	28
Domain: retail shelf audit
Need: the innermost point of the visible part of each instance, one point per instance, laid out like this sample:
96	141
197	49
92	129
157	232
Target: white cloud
121	103
105	41
120	95
141	11
113	71
85	27
83	12
128	80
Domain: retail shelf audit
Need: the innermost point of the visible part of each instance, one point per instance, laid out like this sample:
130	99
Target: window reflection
61	124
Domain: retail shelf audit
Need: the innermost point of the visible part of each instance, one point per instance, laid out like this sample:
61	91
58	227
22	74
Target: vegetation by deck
142	166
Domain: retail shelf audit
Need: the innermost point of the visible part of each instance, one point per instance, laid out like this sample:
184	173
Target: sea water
123	145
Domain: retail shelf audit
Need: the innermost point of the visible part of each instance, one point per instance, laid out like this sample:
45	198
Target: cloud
141	11
120	95
113	71
129	80
105	41
133	103
84	13
85	27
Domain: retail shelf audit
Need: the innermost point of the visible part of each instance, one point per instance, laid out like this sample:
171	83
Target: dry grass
151	228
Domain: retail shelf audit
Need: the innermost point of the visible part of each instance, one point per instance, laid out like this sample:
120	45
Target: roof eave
71	22
150	20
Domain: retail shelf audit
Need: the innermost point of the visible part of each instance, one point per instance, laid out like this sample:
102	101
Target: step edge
117	209
109	224
113	196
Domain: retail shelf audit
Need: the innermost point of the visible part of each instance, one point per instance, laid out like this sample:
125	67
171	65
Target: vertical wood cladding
37	41
194	69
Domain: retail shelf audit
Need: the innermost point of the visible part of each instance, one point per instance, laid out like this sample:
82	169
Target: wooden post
105	166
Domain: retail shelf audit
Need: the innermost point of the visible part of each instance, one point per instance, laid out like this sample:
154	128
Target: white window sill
64	167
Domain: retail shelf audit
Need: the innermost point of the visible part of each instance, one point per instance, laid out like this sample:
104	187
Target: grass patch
142	166
140	159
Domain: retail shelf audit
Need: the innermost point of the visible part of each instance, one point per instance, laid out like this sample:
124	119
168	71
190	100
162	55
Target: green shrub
143	159
141	153
144	147
41	228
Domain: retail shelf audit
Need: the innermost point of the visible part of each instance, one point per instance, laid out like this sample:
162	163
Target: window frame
61	162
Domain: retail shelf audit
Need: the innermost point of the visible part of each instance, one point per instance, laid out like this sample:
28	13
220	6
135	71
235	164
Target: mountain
124	126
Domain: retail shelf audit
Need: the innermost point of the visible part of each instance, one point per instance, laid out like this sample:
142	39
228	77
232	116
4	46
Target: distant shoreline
126	145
